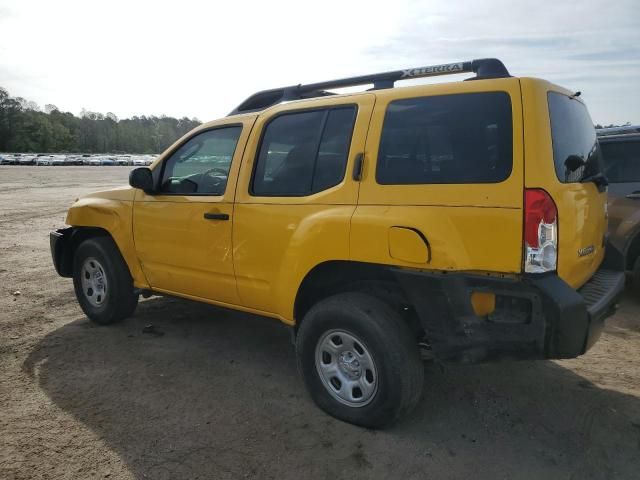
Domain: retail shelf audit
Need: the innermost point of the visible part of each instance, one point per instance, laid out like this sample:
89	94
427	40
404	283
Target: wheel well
335	277
78	235
633	251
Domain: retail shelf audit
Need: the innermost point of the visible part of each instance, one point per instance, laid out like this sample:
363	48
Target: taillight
540	231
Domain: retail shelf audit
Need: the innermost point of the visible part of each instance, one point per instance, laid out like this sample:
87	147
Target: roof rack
483	68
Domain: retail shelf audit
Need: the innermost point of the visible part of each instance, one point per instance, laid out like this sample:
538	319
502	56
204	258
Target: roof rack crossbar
483	68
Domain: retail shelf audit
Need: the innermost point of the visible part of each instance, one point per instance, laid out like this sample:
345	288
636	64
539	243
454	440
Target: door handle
216	216
357	167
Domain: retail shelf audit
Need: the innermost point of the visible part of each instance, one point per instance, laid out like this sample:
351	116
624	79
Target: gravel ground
217	394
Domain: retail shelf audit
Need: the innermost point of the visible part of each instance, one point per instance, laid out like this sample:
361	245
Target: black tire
119	300
388	340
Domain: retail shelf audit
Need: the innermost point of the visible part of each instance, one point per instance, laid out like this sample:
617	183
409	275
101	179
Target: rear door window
463	138
576	153
302	153
621	161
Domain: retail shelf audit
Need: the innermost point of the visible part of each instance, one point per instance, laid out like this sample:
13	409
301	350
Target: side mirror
141	178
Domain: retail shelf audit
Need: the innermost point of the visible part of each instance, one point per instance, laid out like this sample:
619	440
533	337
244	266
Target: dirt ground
218	395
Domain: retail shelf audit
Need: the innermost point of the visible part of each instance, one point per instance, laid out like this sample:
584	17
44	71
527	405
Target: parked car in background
44	160
123	160
621	157
102	160
9	158
143	160
139	161
58	160
73	160
27	160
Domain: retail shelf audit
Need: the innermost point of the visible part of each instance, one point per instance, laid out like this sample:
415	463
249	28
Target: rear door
443	177
296	196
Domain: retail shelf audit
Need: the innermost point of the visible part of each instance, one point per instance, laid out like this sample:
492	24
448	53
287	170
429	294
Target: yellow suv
463	221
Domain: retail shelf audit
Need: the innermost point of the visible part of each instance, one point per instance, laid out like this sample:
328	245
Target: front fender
111	211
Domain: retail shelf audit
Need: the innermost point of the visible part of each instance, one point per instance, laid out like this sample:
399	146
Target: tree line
25	127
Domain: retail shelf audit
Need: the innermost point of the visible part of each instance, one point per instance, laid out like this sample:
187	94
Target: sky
202	58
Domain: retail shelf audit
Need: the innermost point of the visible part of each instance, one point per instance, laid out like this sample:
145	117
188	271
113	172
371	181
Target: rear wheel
359	360
102	282
636	275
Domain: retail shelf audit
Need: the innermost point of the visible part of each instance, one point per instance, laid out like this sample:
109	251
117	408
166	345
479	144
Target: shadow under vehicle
213	393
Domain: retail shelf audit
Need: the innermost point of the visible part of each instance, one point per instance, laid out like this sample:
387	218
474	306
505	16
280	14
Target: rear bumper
536	316
575	318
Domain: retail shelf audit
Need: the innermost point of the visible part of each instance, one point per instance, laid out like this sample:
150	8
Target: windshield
576	153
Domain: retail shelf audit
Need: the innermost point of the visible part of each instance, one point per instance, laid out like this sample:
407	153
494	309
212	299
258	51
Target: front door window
201	165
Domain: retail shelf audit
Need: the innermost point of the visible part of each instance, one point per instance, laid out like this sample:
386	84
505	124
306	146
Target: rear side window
576	153
303	153
621	161
463	138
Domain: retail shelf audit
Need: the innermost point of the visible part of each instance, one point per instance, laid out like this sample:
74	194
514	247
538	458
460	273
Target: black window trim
327	109
513	132
180	145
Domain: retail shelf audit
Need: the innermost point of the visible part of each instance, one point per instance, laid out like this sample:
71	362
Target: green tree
25	128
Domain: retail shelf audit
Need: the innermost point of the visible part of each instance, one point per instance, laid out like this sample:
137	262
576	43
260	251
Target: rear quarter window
576	153
462	138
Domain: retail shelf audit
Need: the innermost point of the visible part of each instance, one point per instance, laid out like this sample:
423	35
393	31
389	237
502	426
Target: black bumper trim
562	322
60	242
601	295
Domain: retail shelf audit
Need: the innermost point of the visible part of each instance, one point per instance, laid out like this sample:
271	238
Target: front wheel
359	360
102	282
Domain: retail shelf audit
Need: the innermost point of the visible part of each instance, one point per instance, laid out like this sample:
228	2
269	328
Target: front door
182	232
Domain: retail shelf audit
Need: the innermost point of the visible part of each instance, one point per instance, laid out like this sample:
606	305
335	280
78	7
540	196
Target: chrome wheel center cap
349	364
346	368
94	281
